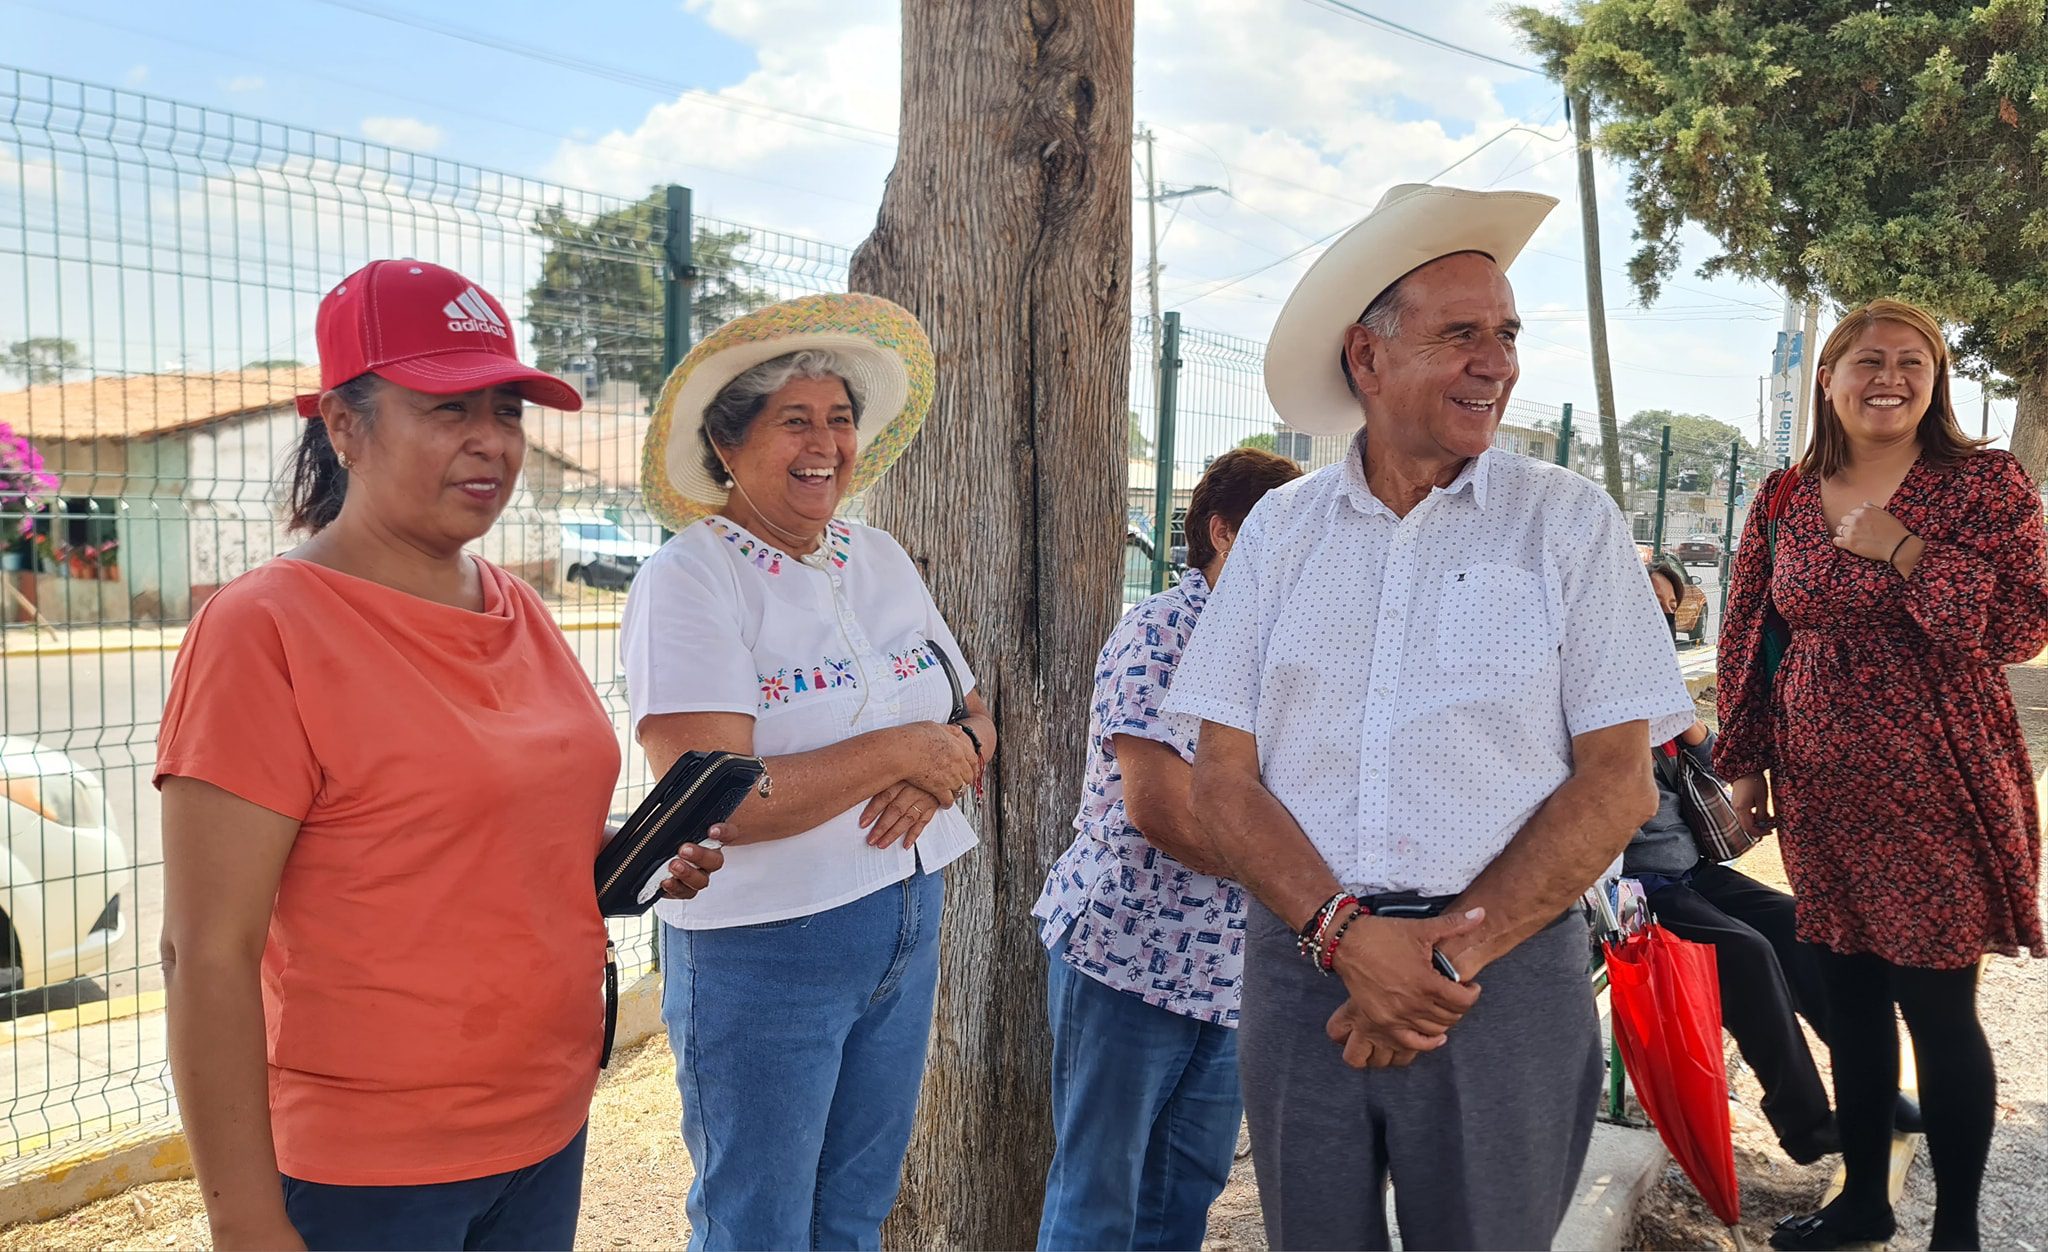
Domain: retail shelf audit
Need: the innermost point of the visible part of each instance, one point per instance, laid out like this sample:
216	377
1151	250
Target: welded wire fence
160	267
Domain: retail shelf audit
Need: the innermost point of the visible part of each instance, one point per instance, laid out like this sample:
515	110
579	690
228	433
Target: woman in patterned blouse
1897	773
1146	942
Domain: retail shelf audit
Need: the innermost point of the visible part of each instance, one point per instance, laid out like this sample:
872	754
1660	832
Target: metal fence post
1564	437
1663	479
1162	501
1728	523
678	289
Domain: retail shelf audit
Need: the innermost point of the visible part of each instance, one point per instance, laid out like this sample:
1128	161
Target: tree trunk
2030	426
1596	303
1006	228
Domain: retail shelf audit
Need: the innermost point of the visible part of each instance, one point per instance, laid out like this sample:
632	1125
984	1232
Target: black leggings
1958	1086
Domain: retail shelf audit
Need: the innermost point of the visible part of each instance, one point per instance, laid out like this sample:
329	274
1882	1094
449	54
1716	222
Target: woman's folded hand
942	761
901	812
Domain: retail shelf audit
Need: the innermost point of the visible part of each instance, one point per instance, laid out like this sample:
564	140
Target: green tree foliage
42	360
1838	148
599	298
1140	446
1263	441
1699	449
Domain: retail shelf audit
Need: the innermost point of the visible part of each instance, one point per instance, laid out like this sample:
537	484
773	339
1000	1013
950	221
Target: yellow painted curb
49	1184
40	645
58	1021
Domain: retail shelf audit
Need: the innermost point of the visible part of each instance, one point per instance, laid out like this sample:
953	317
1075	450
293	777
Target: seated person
1766	973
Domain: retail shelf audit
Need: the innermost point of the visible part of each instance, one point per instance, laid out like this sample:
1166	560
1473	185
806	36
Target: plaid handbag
1704	803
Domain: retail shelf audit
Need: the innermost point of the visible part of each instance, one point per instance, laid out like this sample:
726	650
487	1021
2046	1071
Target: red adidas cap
425	327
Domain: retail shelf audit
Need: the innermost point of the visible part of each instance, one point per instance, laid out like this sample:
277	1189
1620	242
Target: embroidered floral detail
775	687
911	663
826	674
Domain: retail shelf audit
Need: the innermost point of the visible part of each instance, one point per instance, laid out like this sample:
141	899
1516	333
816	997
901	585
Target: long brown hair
1941	437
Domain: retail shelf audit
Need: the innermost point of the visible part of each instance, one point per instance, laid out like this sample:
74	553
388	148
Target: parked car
597	551
60	904
1700	550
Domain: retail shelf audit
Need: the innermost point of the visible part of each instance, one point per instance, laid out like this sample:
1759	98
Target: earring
346	464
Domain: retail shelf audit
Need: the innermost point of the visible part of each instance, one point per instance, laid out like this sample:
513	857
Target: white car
61	895
597	551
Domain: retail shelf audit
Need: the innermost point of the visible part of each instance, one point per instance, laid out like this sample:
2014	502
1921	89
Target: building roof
139	406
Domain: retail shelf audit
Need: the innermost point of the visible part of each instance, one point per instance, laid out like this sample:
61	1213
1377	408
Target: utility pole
1152	256
1154	195
1984	427
1809	346
1596	300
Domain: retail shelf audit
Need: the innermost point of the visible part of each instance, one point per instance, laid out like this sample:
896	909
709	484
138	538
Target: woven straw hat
1415	223
888	364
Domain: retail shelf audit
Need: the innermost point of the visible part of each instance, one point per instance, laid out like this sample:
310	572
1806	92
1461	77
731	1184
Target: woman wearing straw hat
798	993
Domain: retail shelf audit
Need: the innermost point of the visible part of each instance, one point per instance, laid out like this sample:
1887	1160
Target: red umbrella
1667	1019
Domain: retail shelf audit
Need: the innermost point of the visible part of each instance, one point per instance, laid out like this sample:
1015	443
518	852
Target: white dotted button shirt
1414	683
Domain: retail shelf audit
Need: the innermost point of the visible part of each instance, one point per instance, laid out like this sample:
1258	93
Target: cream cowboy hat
888	364
1414	224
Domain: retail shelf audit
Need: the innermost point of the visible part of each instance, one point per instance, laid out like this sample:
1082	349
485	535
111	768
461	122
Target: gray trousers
1483	1138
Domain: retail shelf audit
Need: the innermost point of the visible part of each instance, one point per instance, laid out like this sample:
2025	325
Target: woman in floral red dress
1897	775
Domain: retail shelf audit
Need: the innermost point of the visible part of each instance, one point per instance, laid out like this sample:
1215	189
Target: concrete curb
35	643
43	1185
47	1184
57	1021
1622	1164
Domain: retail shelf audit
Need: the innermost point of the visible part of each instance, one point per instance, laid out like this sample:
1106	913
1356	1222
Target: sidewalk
98	1066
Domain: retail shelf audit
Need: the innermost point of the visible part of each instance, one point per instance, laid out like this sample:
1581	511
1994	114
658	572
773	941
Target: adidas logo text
471	312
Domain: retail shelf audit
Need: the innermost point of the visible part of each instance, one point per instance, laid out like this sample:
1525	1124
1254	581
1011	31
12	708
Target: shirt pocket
1494	619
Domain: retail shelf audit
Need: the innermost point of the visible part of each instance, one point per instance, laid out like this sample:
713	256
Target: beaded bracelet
1319	921
1328	959
1310	941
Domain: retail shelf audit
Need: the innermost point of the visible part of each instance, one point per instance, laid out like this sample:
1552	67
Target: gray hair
731	413
1383	318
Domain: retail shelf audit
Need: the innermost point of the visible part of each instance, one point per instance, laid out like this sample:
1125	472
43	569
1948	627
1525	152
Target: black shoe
1906	1116
1825	1231
1810	1145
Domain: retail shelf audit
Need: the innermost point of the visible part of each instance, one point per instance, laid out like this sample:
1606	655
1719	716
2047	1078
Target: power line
1409	32
298	71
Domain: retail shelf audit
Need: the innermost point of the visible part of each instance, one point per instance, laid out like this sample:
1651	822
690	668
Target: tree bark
1596	303
1006	227
2030	426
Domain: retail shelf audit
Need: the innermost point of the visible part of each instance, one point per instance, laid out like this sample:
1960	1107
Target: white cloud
1304	117
243	82
138	75
403	132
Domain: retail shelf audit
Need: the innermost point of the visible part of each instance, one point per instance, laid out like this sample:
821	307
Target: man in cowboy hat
1427	692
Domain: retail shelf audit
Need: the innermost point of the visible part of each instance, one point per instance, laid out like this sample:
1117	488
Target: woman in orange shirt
385	777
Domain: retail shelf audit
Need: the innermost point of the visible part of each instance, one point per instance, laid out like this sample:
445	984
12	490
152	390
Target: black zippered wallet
699	791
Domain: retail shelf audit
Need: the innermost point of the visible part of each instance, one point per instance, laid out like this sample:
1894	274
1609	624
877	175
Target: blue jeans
533	1207
1146	1108
800	1050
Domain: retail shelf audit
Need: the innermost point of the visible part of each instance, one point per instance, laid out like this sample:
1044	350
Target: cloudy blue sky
1301	112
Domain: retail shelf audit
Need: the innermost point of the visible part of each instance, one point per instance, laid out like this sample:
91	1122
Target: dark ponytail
318	483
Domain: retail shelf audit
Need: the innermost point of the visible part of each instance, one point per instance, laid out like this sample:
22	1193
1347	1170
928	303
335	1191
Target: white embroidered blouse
816	650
